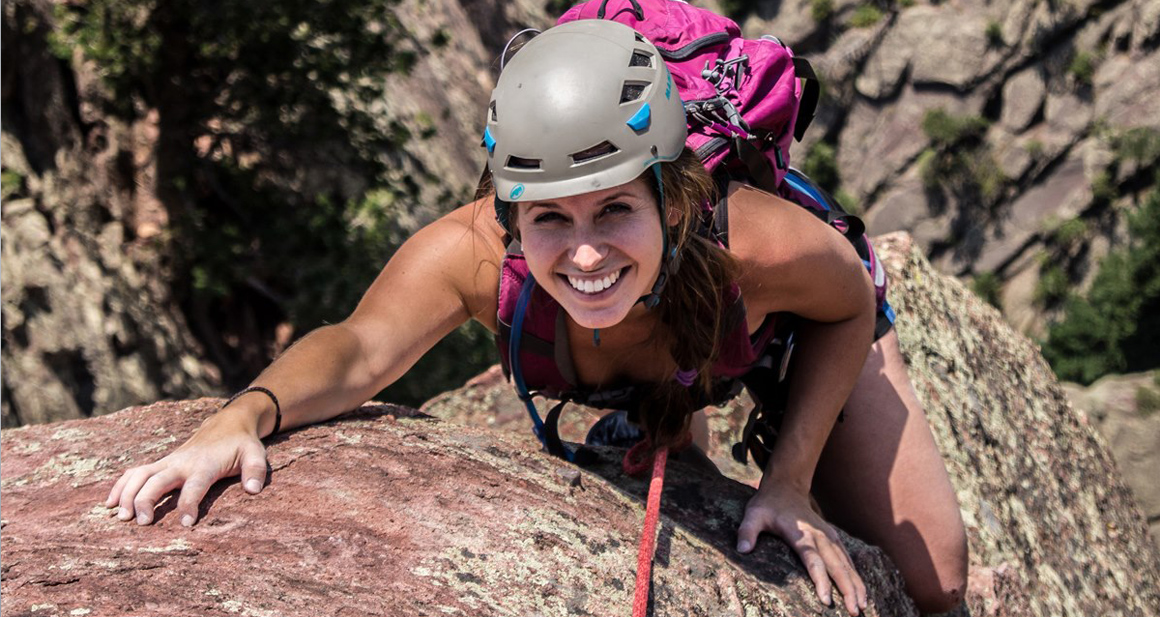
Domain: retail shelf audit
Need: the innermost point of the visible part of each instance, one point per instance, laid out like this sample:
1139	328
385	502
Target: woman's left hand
785	511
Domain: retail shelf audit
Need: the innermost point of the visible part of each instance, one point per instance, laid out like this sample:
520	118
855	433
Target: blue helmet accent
517	190
641	119
488	140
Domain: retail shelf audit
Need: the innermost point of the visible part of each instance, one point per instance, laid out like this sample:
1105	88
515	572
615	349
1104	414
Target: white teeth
594	286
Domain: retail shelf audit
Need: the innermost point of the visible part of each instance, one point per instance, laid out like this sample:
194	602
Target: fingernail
253	485
142	519
124	514
187	520
744	546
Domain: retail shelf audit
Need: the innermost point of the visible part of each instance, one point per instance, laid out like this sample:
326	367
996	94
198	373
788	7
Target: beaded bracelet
277	407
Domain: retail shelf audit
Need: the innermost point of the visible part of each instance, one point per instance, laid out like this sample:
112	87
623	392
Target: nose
587	257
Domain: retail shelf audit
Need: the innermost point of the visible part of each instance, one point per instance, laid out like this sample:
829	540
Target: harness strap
811	93
518	377
757	165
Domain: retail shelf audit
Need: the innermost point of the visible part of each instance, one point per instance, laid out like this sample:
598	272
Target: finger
859	584
115	493
191	495
751	527
151	492
841	572
135	479
816	567
254	468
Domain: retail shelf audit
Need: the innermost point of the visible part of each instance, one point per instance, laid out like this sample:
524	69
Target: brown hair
693	306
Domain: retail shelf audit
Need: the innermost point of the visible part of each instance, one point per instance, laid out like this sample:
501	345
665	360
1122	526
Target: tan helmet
585	106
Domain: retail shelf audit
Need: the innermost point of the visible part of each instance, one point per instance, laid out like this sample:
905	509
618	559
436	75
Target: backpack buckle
716	74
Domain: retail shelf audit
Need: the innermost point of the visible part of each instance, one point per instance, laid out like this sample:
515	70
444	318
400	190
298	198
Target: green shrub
1052	287
1147	401
945	129
866	15
1104	188
1069	232
1034	149
994	34
821	165
848	203
821	10
1139	145
11	184
989	287
1082	67
928	169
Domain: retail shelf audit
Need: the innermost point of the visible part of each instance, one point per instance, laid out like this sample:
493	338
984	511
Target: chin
595	320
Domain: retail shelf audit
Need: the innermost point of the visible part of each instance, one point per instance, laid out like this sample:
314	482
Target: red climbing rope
648	536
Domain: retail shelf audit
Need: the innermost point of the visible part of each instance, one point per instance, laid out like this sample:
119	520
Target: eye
615	208
548	217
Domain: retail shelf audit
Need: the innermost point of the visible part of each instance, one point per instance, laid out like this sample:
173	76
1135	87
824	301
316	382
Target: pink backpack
738	93
746	100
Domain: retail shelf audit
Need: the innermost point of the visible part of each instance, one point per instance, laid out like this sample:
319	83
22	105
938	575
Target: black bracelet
267	392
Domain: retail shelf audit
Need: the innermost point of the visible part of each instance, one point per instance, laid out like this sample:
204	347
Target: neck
640	328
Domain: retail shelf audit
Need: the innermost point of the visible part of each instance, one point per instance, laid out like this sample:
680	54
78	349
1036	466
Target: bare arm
798	264
437	280
425	291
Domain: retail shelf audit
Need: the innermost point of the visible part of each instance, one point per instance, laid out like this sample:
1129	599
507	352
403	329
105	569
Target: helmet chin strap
670	261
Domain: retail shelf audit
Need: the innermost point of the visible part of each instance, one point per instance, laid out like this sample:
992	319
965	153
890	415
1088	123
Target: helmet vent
516	162
631	92
491	110
640	59
639	37
598	151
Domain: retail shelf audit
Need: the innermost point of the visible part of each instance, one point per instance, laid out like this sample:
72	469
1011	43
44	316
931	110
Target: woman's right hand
225	445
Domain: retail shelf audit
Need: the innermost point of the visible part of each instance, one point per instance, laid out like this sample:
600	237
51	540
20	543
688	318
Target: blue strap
799	184
518	374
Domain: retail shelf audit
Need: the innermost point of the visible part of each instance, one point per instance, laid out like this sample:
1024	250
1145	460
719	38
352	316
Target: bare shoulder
471	244
791	260
456	257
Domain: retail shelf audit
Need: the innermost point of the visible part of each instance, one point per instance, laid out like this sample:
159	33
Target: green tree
281	179
1116	327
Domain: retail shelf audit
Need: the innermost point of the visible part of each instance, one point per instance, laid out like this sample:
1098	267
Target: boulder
1124	409
384	511
387	511
1023	96
879	140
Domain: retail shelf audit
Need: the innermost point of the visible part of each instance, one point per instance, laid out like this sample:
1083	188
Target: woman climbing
618	263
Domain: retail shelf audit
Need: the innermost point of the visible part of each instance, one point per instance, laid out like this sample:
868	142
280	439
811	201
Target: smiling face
595	253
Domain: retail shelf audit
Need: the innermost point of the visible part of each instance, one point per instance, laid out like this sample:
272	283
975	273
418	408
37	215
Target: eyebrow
553	205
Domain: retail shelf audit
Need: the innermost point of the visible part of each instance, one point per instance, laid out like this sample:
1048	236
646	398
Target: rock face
382	512
445	518
90	325
1124	409
1056	82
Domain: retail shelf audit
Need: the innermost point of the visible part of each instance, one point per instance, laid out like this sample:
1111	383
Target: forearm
322	375
826	362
